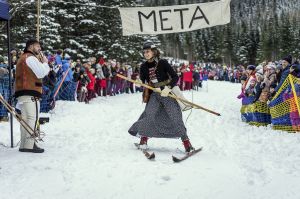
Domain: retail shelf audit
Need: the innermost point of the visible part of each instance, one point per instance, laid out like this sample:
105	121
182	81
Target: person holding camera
32	67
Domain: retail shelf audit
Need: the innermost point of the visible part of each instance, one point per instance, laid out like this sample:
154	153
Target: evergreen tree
49	31
114	44
227	47
23	28
286	36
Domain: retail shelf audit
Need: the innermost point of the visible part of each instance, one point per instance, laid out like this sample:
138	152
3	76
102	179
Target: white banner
171	19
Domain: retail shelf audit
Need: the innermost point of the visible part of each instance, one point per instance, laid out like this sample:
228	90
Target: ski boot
143	143
188	146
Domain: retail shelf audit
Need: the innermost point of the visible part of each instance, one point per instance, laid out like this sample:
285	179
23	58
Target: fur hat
30	42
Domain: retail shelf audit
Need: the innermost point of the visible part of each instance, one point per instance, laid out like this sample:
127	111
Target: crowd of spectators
97	77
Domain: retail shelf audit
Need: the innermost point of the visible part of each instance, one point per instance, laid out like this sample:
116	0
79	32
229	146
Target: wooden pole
27	127
38	24
170	95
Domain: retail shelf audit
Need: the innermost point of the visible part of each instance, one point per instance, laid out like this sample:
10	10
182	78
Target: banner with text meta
177	18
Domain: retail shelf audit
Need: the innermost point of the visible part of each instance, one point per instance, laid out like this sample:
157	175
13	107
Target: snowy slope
89	154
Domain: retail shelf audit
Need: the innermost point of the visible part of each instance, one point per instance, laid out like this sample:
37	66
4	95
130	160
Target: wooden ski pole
170	95
28	128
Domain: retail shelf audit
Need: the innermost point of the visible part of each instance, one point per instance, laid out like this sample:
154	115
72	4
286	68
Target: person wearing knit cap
288	59
260	66
260	73
251	67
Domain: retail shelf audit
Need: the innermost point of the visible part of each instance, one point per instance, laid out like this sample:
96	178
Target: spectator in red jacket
188	78
91	85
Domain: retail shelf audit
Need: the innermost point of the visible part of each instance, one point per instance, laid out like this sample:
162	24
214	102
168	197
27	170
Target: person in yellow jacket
31	68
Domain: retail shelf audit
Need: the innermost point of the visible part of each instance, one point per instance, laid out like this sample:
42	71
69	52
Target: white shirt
38	68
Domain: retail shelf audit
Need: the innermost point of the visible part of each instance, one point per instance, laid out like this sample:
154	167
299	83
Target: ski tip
196	150
200	149
189	154
175	159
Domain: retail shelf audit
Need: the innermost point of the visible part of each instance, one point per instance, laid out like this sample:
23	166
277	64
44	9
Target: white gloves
165	92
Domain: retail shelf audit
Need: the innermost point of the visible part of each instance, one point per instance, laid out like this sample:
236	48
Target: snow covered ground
89	154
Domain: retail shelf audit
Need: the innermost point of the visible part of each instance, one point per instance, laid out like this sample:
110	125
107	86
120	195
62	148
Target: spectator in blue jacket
58	58
66	64
66	91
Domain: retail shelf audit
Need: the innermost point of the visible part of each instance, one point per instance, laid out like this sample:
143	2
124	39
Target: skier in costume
162	117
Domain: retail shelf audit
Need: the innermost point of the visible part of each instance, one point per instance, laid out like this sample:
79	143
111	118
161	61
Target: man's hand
45	60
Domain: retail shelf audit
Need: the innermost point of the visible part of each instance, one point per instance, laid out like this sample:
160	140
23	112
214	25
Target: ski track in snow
89	154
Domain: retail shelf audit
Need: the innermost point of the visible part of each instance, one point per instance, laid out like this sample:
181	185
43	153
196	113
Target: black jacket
196	76
163	72
105	71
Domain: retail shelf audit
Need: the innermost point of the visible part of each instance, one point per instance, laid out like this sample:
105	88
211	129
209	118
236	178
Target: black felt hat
30	42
